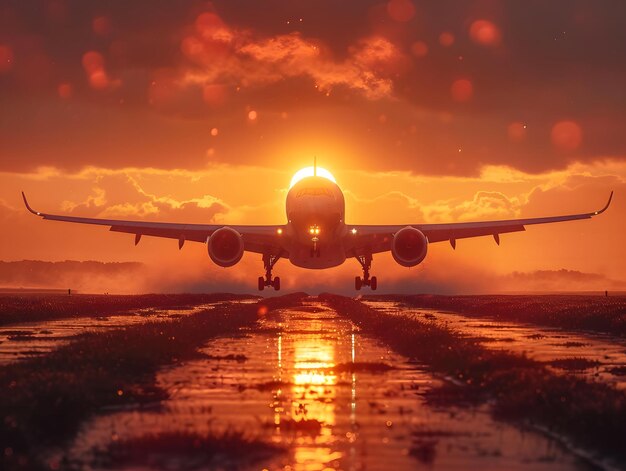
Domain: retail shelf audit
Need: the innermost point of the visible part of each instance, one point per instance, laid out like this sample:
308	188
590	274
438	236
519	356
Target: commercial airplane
316	235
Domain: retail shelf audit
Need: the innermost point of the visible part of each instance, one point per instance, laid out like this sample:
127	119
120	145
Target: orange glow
446	39
93	63
214	132
419	48
400	10
6	58
485	32
517	131
462	90
65	90
566	135
252	115
101	25
191	47
215	94
211	27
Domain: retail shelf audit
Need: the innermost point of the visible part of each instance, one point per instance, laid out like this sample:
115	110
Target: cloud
117	85
485	205
225	56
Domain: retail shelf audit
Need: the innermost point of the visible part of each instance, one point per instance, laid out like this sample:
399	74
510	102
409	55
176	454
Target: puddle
603	356
308	381
18	341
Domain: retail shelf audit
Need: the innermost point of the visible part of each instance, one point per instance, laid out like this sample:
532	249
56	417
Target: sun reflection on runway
309	360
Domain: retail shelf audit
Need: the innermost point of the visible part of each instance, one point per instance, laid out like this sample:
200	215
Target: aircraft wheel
374	283
276	283
357	283
261	283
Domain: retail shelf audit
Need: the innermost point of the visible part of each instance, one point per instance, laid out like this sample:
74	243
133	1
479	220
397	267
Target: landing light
353	231
279	231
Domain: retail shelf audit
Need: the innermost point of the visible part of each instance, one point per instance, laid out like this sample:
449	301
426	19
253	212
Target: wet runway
306	379
25	340
604	355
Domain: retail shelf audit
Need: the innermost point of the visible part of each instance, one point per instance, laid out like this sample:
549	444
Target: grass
573	312
44	399
33	308
211	450
592	415
574	364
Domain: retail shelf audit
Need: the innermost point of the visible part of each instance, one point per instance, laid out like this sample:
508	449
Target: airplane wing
258	239
375	239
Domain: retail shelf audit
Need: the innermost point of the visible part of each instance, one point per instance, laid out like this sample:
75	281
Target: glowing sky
423	111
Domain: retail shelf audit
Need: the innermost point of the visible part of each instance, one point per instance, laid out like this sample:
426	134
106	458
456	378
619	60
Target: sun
309	172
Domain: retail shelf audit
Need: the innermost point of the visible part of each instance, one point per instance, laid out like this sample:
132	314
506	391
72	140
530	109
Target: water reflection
292	390
29	339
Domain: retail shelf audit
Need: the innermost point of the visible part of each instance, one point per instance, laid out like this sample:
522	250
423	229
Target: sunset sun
309	172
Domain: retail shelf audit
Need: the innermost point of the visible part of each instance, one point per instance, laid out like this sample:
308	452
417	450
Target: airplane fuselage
316	228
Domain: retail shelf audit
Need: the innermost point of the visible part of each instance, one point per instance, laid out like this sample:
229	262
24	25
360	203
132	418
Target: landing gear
268	263
366	263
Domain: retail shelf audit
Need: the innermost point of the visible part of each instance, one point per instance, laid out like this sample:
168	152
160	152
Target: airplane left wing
375	239
257	239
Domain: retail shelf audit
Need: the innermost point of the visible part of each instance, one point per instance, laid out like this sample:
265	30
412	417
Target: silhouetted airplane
316	235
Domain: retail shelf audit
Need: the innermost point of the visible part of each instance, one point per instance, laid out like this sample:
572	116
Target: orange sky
202	113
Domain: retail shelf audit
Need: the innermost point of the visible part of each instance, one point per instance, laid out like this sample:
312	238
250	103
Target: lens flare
567	135
485	32
309	172
462	90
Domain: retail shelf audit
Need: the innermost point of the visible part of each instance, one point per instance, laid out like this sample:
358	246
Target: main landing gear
268	263
366	263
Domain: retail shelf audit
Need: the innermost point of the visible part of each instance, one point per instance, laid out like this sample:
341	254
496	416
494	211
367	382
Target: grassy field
573	312
44	399
43	307
592	415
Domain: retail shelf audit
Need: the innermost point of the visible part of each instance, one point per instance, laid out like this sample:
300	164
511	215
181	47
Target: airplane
316	235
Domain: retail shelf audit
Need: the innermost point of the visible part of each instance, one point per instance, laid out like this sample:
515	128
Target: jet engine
409	246
225	247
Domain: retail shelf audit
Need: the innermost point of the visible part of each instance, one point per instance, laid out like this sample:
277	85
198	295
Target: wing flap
258	239
374	239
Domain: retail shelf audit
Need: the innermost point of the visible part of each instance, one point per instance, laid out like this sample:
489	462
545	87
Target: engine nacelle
409	246
225	247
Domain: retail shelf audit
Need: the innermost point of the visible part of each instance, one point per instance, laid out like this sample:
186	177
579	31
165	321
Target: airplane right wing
365	239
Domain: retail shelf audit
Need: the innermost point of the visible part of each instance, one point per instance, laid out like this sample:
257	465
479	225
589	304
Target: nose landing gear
268	263
366	263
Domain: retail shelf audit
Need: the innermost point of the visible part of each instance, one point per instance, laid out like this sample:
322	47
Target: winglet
606	207
37	213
